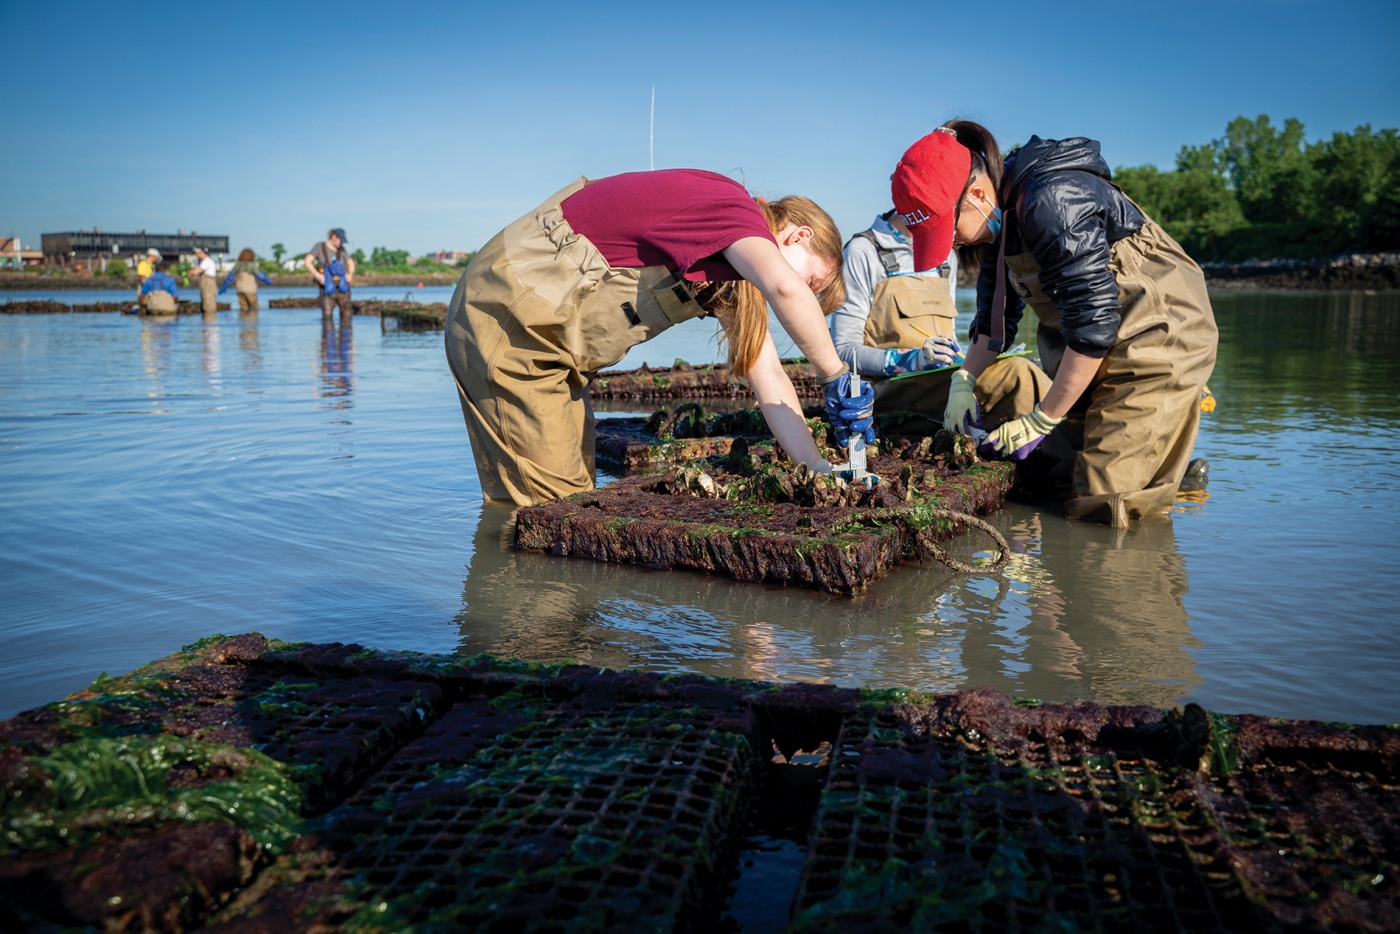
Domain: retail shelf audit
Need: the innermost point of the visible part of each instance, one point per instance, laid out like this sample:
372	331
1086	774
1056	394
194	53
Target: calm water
163	481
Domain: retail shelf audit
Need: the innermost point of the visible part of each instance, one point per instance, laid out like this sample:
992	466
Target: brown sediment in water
365	790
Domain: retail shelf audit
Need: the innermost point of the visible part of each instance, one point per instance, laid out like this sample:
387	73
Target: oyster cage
250	785
681	380
738	511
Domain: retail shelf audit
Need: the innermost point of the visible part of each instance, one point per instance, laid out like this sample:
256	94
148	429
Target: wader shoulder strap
887	257
996	341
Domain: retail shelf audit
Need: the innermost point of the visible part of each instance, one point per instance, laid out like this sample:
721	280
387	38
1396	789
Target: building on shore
13	255
94	248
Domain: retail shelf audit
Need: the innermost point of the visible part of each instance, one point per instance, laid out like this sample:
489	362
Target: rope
954	563
903	512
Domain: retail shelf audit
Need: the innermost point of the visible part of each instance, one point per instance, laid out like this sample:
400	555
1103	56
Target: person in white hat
207	274
145	267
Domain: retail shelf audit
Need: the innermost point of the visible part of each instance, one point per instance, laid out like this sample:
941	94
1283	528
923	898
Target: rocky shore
1347	272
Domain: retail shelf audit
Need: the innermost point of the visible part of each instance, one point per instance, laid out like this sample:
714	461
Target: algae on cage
96	785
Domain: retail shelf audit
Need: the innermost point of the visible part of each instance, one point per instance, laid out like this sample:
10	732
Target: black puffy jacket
1057	204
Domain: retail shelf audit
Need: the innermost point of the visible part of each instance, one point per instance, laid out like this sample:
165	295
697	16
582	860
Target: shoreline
31	282
1347	272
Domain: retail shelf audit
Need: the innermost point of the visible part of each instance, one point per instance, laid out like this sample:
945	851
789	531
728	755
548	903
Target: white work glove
961	412
939	351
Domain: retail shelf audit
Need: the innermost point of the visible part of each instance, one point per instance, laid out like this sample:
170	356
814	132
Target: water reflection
1094	614
248	340
1083	612
157	342
211	351
336	366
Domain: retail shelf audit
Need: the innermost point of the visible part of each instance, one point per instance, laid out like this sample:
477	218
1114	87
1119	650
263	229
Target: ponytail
986	160
741	307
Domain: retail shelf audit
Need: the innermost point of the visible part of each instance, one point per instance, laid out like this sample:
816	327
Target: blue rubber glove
849	415
961	411
1020	436
223	289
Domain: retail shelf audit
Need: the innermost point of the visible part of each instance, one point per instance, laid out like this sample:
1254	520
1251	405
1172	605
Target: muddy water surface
162	481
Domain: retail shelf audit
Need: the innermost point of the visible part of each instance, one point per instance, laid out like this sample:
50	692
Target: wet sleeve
1065	229
862	272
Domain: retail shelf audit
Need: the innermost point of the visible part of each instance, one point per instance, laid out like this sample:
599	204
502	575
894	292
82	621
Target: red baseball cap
926	186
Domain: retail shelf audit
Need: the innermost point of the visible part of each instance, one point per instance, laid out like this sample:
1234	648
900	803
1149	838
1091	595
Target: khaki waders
338	299
160	302
904	312
536	314
1144	404
247	288
208	294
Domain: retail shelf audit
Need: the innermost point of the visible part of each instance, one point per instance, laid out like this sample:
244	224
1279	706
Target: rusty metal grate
503	796
601	817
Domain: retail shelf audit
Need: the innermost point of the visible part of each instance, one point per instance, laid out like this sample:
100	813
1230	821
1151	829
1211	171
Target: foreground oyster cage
293	787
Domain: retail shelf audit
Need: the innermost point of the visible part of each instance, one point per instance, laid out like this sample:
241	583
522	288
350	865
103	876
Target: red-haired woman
601	266
1125	324
244	277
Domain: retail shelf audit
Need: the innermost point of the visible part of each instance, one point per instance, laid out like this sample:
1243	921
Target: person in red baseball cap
1125	326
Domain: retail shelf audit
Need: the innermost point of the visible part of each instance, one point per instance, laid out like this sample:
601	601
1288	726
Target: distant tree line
1264	192
380	259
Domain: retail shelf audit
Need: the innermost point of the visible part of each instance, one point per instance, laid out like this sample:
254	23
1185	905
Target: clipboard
946	369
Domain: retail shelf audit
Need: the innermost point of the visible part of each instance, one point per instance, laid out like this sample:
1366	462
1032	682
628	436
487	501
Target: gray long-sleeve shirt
863	272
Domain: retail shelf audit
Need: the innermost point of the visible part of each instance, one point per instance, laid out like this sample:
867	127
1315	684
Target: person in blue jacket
160	295
245	276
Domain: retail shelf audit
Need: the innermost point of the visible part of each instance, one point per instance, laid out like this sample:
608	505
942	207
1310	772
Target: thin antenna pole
651	134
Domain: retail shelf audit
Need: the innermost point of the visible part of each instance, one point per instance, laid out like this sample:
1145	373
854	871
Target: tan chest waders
208	294
247	288
160	302
536	314
1144	403
907	310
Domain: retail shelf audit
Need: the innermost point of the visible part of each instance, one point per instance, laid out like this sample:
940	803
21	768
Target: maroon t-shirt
679	218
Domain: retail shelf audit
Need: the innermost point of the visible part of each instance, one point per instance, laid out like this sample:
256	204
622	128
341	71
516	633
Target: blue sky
425	126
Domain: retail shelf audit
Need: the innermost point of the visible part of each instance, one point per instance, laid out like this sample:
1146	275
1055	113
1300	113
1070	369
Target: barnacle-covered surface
249	785
688	431
683	381
749	514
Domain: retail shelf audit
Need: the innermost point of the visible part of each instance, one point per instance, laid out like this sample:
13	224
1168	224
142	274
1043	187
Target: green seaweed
1224	750
97	785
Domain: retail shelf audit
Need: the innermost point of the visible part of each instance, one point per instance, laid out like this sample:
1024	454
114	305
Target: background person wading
206	274
245	276
159	293
1125	324
333	269
601	266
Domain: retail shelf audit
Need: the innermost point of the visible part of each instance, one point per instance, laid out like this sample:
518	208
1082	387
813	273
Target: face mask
993	222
